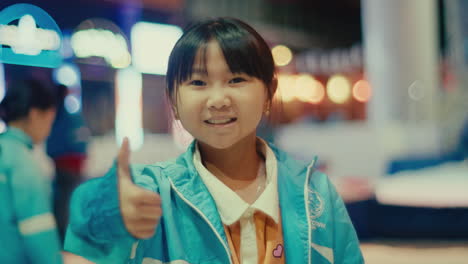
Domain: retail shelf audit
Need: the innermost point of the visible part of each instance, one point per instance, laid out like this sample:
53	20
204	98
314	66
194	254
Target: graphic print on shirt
278	251
316	208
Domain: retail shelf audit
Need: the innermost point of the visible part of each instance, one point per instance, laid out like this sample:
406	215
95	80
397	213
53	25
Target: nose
218	99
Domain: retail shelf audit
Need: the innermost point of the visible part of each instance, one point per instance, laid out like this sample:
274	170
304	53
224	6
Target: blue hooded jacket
316	226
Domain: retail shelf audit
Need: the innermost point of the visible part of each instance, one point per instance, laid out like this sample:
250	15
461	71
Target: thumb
123	161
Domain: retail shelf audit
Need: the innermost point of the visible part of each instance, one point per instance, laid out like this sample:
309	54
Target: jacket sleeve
33	215
346	243
96	230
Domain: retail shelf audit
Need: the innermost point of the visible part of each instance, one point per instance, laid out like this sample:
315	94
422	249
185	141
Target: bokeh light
362	91
282	55
286	87
67	74
308	89
338	89
72	104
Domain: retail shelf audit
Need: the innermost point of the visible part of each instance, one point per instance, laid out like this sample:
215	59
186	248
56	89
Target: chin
227	142
220	144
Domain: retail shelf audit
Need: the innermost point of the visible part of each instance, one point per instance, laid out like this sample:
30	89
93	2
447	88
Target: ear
269	101
176	113
173	104
267	106
274	85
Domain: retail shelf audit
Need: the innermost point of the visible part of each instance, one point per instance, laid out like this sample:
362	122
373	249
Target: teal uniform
27	225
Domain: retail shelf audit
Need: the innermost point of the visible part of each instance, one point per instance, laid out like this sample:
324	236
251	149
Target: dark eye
197	83
237	80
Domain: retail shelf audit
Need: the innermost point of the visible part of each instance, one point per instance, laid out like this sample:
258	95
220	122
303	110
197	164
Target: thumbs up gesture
140	208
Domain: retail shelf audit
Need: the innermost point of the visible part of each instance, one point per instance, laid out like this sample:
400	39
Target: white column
128	104
401	59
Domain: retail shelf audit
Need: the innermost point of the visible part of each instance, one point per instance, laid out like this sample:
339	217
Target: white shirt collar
230	206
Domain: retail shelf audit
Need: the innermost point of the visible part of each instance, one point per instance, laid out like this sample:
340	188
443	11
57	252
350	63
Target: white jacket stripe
156	261
37	224
326	252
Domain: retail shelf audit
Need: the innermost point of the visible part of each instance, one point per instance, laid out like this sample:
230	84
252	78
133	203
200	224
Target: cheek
188	116
189	104
252	111
257	101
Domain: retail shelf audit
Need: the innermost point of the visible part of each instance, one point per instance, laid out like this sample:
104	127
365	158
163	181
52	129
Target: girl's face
220	108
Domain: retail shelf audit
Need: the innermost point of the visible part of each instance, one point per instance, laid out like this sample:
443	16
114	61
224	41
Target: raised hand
140	208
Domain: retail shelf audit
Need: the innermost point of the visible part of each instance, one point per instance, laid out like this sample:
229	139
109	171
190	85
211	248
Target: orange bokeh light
362	91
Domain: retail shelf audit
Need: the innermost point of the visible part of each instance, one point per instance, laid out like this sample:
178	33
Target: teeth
221	121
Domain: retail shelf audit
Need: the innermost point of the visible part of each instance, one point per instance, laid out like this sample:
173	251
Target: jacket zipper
306	203
204	218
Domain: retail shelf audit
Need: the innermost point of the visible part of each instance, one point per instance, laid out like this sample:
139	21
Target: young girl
27	226
231	197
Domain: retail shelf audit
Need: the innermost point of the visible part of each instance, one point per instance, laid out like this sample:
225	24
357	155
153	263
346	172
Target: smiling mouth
221	121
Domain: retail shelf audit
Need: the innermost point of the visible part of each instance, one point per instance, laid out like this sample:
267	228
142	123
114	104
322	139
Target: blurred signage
100	41
34	41
168	5
152	44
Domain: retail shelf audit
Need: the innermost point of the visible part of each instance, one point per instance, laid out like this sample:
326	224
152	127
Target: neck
19	124
238	162
22	125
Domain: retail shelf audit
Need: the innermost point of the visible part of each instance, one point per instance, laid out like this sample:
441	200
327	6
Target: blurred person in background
28	231
66	145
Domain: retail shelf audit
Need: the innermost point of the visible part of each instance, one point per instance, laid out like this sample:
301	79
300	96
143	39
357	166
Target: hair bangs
244	50
183	62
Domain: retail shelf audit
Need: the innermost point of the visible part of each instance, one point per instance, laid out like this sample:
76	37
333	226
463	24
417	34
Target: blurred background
377	89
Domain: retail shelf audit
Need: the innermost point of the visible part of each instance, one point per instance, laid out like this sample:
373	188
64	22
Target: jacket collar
190	185
18	135
292	183
292	177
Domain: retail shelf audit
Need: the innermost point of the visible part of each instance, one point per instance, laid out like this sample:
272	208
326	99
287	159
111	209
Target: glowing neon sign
96	40
102	43
26	44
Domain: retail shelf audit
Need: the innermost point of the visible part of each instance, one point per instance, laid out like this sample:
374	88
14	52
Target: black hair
244	49
22	96
61	93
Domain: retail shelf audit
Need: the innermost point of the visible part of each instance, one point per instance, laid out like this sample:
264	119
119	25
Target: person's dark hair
62	92
244	49
23	95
